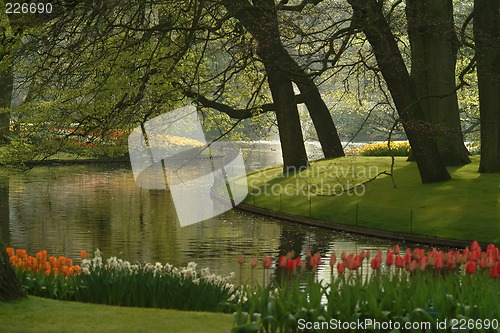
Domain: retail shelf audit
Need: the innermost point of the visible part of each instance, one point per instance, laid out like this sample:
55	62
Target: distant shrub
381	149
474	147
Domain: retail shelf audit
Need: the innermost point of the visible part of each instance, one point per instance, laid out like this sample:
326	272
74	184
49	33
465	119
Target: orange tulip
10	251
83	254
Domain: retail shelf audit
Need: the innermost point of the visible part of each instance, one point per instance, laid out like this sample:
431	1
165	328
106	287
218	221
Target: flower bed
435	289
382	149
457	288
117	282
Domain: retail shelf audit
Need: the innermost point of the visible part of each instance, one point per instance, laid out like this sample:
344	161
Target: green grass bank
40	315
344	191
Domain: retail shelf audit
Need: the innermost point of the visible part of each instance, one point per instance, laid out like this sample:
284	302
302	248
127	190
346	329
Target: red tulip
333	259
451	260
389	260
315	260
418	254
492	251
267	262
375	263
291	264
340	268
298	262
482	263
407	257
470	267
396	249
439	263
358	261
423	264
413	265
241	259
494	272
349	261
475	246
312	262
400	262
282	262
253	262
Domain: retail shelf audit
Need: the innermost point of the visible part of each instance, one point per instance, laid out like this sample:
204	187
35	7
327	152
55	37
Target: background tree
487	44
7	40
434	46
369	17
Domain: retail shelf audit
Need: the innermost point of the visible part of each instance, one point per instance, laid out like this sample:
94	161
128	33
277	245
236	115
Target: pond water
65	209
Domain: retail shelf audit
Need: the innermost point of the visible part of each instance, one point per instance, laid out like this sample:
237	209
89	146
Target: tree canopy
82	77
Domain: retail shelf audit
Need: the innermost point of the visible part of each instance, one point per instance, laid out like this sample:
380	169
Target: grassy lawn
465	208
39	315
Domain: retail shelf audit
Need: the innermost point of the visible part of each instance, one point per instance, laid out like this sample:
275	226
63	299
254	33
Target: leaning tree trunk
287	116
10	288
433	58
487	40
368	16
318	110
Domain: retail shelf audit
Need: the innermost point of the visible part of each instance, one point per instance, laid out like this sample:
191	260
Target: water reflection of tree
299	241
4	210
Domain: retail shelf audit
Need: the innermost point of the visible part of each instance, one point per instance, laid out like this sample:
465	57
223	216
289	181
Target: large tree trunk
487	40
6	82
10	288
433	58
369	17
261	21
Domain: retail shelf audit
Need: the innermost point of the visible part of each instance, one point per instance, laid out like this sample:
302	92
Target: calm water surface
65	209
